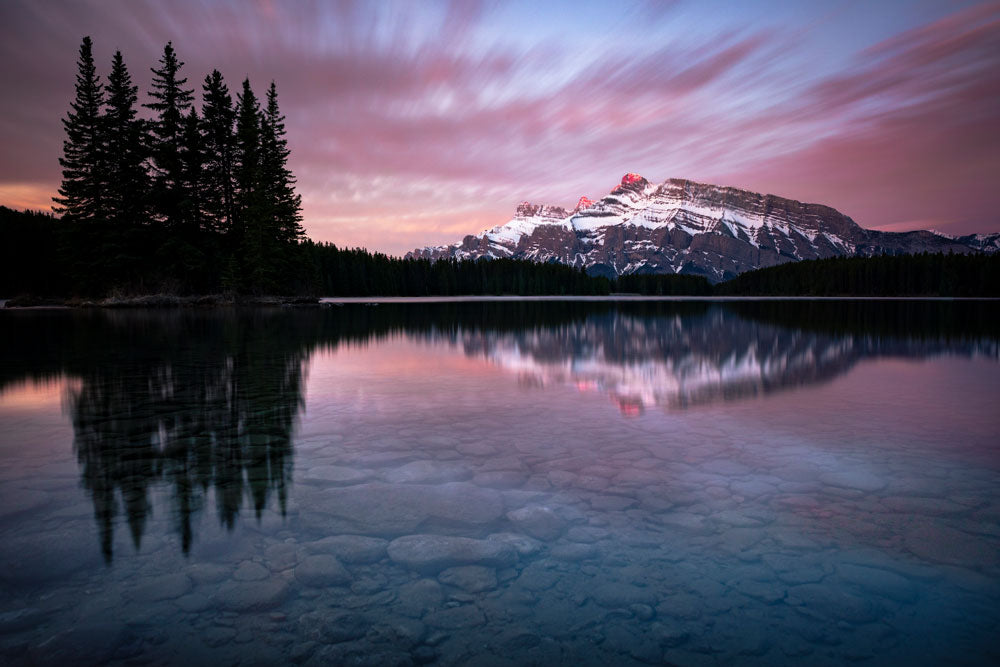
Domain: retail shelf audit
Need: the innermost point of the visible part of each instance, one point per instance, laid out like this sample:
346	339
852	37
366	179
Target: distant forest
925	274
193	202
37	258
920	275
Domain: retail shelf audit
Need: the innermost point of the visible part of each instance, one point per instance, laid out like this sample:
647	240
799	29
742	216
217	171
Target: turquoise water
502	483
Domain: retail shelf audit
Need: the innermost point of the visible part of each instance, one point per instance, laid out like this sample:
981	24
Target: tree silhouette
170	101
83	166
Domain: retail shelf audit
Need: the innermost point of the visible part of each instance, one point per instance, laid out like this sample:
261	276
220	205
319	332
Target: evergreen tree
284	205
192	158
127	182
253	232
219	145
170	101
191	249
248	153
82	190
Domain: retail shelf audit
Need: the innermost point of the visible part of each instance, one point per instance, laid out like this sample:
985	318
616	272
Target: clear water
502	483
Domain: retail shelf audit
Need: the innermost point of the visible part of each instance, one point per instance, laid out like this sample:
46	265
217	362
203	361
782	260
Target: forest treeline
357	272
37	259
924	274
199	199
32	262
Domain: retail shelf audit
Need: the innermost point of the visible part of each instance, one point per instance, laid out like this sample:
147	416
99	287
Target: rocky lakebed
377	504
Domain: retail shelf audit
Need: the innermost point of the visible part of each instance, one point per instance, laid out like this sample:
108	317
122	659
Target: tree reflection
208	409
203	404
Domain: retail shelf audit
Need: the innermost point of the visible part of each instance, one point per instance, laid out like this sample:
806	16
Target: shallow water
502	483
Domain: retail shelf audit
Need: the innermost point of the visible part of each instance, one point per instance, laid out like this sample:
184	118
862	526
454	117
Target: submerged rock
936	542
880	582
399	631
831	603
466	616
859	480
351	548
538	521
208	573
163	587
338	475
500	479
573	552
433	553
418	597
251	596
524	545
400	509
619	594
470	578
427	472
217	636
321	571
586	534
281	557
332	627
250	571
539	576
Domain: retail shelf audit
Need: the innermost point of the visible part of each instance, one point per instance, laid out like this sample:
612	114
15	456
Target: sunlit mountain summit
683	227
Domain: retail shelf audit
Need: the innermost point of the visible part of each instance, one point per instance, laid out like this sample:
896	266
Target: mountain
685	227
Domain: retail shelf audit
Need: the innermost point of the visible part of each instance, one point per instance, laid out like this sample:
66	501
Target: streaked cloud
415	123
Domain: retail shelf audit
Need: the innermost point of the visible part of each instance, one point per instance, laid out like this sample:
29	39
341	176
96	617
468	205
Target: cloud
919	137
417	123
32	196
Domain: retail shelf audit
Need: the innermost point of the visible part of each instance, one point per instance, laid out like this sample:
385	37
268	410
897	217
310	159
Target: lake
502	483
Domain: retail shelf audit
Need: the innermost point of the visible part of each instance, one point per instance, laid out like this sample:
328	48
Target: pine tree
192	158
283	203
127	182
248	167
255	236
219	145
82	190
170	101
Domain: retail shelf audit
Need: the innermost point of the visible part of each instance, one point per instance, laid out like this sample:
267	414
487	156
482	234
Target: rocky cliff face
681	226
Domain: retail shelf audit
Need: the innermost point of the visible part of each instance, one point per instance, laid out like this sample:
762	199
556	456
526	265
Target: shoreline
628	297
156	301
216	300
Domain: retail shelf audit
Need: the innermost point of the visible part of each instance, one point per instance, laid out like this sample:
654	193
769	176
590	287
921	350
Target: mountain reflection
697	355
671	362
204	404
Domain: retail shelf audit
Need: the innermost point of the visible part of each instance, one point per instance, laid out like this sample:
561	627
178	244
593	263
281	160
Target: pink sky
417	123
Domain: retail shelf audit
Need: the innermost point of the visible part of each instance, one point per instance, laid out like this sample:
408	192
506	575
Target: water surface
502	483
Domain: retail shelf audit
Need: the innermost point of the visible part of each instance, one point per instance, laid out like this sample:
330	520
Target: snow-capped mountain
681	226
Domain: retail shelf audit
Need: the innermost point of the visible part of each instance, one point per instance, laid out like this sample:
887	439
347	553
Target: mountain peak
686	227
632	178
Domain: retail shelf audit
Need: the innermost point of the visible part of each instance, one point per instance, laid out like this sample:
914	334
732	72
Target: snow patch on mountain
680	226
